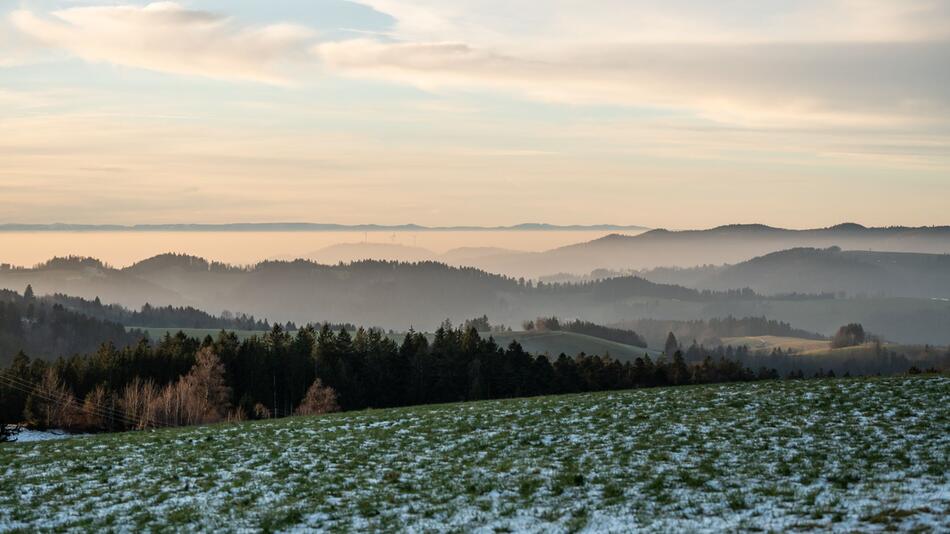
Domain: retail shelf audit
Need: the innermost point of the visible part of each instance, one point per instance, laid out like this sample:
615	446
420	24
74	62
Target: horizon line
301	227
411	227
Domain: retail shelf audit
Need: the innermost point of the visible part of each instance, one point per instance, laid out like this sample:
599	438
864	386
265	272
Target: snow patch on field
29	436
830	455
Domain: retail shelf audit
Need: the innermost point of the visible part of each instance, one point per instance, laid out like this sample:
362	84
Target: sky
676	114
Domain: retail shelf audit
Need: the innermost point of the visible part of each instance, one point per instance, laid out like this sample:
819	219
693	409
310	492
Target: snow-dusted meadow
843	455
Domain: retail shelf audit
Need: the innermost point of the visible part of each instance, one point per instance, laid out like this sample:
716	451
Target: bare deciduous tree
138	401
319	399
98	410
51	404
206	390
200	397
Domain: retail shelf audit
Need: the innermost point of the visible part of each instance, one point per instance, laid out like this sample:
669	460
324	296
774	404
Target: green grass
844	455
856	352
768	343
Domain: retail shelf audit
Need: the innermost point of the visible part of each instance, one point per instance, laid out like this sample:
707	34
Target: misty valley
177	341
431	266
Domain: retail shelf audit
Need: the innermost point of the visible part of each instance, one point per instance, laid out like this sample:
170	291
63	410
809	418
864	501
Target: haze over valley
901	296
474	266
123	248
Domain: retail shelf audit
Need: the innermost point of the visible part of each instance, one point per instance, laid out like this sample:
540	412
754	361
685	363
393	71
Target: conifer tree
671	346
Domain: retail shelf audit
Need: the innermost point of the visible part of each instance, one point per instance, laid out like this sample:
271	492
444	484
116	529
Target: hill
810	270
350	252
389	294
48	330
724	244
196	333
571	343
712	331
678	459
548	343
309	227
156	317
400	296
770	343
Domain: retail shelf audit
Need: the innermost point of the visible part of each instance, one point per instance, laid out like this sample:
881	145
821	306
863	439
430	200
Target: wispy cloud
684	99
760	84
779	62
167	37
496	22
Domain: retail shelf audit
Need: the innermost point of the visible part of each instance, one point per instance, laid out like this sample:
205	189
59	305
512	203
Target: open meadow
769	343
840	455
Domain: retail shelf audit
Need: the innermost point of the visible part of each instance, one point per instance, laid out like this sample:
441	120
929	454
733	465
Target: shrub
850	335
318	400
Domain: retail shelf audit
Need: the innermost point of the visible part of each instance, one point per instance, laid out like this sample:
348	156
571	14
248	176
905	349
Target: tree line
180	380
871	359
46	329
158	316
553	324
710	331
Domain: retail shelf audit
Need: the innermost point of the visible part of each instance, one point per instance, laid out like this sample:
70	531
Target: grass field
768	343
841	455
856	351
809	348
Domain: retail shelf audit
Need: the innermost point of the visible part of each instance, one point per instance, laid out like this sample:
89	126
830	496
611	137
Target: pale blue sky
682	114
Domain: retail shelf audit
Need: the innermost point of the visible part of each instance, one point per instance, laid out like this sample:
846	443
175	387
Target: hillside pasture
769	343
830	455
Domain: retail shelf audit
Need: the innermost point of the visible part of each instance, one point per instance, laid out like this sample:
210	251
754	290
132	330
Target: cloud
757	84
868	63
494	22
167	37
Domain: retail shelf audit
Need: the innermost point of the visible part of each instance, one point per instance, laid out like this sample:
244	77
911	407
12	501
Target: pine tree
679	372
672	345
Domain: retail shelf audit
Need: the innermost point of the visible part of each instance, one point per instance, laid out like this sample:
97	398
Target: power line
30	388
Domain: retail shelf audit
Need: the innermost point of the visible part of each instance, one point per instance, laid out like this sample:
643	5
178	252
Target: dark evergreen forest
270	375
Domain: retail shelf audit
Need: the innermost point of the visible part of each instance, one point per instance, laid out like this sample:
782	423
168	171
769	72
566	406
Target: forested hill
709	332
45	329
725	244
389	294
157	316
400	296
855	272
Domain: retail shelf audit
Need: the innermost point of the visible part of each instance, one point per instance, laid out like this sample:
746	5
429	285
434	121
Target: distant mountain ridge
721	245
390	294
813	270
309	227
421	295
